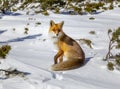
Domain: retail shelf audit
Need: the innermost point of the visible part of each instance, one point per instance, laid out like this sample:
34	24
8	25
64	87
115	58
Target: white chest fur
54	40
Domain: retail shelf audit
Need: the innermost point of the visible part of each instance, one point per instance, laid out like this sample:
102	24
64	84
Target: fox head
56	29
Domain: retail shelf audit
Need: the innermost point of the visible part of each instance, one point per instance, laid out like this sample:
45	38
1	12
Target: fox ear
52	23
61	24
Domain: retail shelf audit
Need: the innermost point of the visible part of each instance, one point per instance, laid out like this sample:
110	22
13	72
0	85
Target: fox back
67	47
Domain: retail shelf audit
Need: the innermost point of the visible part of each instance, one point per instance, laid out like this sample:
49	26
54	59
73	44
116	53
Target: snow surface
33	52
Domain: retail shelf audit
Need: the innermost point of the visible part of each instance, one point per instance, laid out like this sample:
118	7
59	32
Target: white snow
33	52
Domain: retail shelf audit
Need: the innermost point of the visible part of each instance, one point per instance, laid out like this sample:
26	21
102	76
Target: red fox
67	47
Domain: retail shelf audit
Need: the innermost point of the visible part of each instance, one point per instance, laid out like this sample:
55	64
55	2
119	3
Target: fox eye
58	30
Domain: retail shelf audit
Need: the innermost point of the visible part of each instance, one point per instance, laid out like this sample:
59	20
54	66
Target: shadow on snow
2	31
22	38
5	74
87	60
11	14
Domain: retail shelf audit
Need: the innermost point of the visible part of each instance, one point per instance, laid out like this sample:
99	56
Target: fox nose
57	34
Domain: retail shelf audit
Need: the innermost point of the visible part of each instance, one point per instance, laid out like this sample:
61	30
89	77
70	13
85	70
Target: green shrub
26	31
38	23
104	8
77	9
45	13
89	9
10	72
87	42
92	32
114	43
109	1
110	66
14	10
117	61
111	6
118	5
4	50
22	7
37	12
51	4
57	10
91	18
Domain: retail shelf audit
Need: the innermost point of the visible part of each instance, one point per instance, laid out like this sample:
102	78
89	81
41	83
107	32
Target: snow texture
33	53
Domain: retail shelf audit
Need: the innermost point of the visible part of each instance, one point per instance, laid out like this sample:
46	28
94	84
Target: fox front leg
61	58
57	56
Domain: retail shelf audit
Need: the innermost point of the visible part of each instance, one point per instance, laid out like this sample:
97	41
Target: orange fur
66	47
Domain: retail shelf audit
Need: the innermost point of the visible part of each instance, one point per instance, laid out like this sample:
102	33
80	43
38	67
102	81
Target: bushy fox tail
67	65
